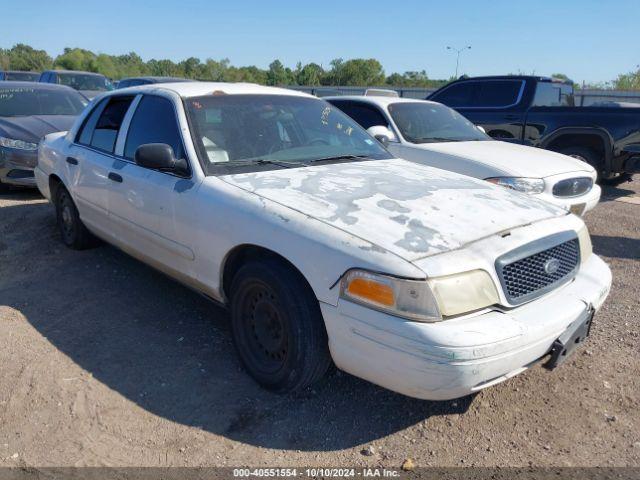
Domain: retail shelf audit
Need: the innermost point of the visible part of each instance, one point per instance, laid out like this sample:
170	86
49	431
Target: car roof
538	78
74	71
18	71
36	85
378	100
159	79
197	89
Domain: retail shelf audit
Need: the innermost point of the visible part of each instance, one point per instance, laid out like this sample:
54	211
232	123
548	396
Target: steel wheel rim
264	329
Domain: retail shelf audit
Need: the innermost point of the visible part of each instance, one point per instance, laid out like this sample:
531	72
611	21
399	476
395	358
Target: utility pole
458	52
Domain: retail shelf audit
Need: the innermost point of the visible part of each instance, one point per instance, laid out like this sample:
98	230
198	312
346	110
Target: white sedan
433	134
322	245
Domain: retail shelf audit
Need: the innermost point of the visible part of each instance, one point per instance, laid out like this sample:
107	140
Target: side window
458	95
154	122
499	93
86	131
124	83
108	124
366	115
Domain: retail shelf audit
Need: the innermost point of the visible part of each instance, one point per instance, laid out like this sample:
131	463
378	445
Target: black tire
74	234
277	326
4	188
586	155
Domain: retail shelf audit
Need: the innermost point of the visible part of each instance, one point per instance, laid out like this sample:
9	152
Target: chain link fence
583	98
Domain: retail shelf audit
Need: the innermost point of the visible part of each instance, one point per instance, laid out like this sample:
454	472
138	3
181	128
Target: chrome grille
537	268
572	187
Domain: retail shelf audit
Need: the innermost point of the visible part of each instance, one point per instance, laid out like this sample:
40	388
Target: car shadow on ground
616	247
169	350
613	192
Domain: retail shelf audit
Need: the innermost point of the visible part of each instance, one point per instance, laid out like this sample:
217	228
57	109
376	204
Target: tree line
353	72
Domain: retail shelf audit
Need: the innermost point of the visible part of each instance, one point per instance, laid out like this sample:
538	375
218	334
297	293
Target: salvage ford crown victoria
322	245
433	134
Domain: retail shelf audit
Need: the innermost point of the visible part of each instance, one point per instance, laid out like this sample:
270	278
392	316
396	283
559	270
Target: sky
588	40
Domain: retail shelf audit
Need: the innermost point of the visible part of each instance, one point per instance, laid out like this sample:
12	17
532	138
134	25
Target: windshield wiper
339	158
263	161
436	139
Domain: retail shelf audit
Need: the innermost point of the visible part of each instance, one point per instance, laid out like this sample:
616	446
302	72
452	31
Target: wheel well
586	140
242	254
54	183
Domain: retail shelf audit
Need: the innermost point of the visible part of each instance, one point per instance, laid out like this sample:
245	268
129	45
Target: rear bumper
453	358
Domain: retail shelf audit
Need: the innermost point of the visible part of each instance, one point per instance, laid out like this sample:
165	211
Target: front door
153	211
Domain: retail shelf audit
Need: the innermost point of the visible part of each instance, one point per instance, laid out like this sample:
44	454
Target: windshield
233	131
22	76
81	81
16	102
432	122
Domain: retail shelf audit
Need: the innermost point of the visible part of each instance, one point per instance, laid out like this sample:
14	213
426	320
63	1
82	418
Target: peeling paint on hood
410	210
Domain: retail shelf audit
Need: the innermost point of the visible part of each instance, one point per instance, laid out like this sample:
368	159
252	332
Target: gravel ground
106	362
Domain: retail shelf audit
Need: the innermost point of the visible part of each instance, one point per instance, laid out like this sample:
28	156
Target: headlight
521	184
422	300
586	248
410	299
19	144
464	292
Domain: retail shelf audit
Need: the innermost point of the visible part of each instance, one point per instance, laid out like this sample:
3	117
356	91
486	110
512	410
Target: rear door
153	212
90	159
495	104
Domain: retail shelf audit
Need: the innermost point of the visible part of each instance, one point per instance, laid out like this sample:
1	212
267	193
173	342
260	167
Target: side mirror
481	128
383	134
159	156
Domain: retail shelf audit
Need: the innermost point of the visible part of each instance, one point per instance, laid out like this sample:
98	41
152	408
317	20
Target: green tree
356	72
278	74
311	74
24	57
628	81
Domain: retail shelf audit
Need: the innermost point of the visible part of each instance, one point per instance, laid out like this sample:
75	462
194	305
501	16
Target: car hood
408	209
34	127
513	159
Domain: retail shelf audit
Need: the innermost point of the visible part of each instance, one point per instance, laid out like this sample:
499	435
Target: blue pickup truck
541	112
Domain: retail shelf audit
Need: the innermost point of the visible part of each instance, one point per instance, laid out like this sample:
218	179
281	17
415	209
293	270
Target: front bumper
456	357
16	167
579	205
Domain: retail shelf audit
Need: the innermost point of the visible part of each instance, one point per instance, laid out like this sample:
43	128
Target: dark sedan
28	112
19	76
88	84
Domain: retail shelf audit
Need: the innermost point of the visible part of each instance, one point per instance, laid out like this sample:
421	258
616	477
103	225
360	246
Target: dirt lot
106	362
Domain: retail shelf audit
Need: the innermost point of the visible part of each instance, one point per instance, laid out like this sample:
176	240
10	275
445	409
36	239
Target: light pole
458	52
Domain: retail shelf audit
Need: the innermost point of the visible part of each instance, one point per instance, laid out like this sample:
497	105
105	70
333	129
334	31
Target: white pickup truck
323	246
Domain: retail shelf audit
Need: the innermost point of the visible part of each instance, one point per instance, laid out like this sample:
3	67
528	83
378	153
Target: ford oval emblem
551	266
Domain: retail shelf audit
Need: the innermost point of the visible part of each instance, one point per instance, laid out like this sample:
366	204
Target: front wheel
74	233
586	155
277	326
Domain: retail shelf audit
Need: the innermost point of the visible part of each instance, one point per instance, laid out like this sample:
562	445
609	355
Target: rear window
549	94
498	93
100	129
80	81
22	76
16	102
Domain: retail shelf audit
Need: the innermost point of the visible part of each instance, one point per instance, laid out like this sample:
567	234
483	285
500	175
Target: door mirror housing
383	134
159	156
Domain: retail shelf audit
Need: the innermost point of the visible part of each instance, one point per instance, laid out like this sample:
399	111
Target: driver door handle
115	177
72	161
